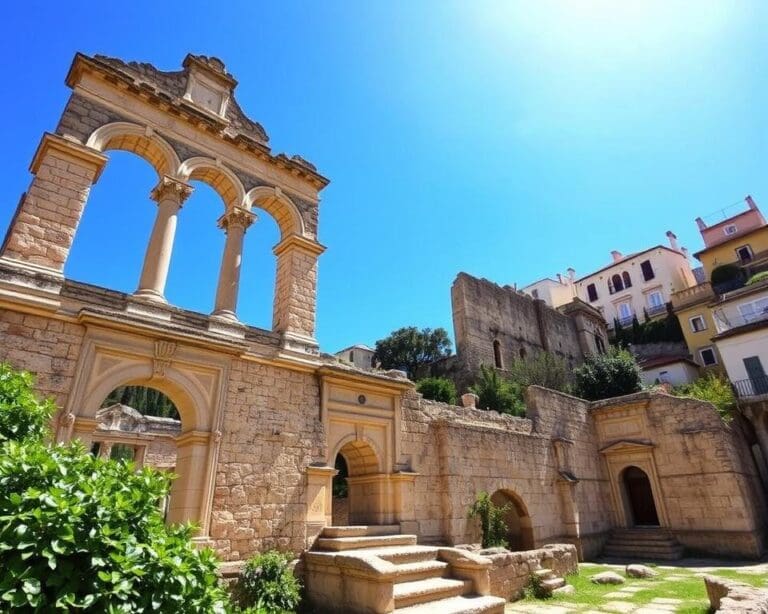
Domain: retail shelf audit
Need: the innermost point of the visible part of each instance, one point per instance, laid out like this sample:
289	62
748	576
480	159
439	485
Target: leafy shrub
268	584
603	376
438	389
492	523
22	415
535	588
79	532
498	394
726	273
757	278
544	369
711	388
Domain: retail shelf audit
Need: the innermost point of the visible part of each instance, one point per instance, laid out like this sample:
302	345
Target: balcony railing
752	387
692	295
725	322
627	320
656	310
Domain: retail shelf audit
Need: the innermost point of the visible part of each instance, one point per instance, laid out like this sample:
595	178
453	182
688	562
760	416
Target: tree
603	376
438	389
410	349
81	532
544	369
492	524
713	389
498	394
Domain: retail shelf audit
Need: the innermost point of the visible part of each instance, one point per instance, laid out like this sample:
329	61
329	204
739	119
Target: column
234	223
169	194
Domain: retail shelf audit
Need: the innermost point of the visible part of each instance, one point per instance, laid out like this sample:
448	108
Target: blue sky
510	140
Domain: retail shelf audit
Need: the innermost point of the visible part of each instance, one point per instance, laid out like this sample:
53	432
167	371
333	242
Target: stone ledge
731	596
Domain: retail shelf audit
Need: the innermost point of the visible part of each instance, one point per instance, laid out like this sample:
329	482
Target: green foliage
268	584
492	523
79	532
712	388
757	278
603	376
726	273
411	349
498	394
23	417
544	369
650	331
535	588
148	401
339	485
438	389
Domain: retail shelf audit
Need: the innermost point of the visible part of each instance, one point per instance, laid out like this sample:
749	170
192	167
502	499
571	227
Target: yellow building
740	240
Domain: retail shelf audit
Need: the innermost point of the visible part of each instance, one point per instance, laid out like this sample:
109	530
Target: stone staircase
550	582
643	543
376	569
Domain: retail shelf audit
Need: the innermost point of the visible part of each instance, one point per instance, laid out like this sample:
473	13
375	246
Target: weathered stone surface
736	597
564	591
607	577
640	571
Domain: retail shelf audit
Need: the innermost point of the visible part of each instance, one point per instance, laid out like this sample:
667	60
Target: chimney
700	223
673	240
560	279
750	201
616	255
571	273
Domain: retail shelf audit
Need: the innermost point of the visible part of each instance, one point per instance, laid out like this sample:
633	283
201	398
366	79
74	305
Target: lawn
676	583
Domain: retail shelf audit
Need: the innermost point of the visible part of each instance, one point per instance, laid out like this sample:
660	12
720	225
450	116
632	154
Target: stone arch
361	455
220	178
279	206
638	497
363	504
138	140
517	519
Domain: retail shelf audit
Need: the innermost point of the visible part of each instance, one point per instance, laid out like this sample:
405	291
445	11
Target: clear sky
509	139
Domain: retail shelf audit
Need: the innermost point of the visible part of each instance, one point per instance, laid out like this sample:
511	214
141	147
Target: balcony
750	388
656	310
626	320
727	322
693	295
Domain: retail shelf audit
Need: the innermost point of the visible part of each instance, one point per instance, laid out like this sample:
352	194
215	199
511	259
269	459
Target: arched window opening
197	251
519	525
113	233
615	284
639	501
523	353
259	268
626	279
497	360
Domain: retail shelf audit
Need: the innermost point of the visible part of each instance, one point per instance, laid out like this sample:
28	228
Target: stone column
169	194
234	223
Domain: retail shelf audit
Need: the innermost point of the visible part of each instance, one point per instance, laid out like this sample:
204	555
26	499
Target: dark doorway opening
639	496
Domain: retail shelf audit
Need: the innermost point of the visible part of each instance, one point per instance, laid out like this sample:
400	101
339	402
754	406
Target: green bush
498	394
711	388
22	415
603	376
726	273
438	389
79	532
492	523
268	584
757	278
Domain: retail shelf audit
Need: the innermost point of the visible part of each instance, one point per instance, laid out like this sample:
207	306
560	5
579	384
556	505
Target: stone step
640	534
400	555
466	604
551	584
640	552
544	573
433	589
421	570
361	530
366	541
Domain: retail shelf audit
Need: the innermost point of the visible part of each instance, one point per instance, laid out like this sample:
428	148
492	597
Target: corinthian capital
168	187
237	217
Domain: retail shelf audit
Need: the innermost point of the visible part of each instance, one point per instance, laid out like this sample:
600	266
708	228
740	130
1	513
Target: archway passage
639	498
519	526
357	489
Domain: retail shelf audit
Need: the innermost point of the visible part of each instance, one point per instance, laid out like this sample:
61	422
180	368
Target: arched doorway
639	498
519	526
357	488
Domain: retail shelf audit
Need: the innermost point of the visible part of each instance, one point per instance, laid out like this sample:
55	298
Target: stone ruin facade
264	416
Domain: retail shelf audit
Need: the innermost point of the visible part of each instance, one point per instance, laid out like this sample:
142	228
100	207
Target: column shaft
235	224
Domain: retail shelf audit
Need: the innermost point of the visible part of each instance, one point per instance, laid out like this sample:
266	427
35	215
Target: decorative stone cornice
237	217
168	187
300	243
55	143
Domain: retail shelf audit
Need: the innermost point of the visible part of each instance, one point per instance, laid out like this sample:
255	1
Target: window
655	300
627	280
351	357
535	293
625	311
744	253
592	292
615	284
756	310
707	357
522	353
647	270
698	324
730	229
497	354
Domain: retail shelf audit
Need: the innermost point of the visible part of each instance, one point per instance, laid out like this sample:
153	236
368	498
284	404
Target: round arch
141	141
638	497
361	455
279	206
221	179
517	519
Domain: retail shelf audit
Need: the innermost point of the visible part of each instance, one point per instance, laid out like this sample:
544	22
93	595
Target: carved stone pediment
628	445
119	417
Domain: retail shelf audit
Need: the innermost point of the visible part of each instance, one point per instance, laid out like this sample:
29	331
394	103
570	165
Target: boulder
607	577
568	589
640	571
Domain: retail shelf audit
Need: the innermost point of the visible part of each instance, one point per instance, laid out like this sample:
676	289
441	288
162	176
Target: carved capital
170	188
237	217
164	352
